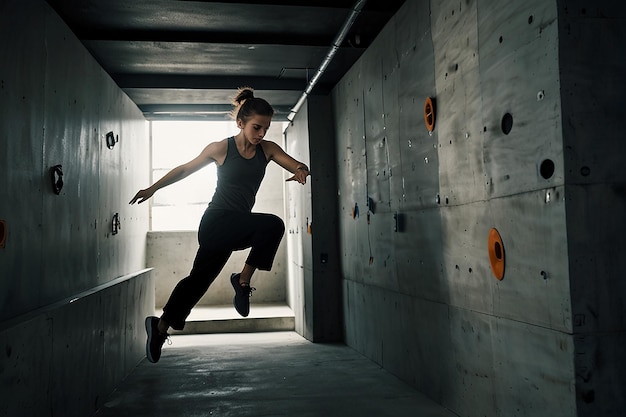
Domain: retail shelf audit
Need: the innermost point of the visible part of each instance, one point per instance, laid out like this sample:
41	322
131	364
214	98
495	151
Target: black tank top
238	179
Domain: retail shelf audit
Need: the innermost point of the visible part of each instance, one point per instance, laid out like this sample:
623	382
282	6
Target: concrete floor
263	374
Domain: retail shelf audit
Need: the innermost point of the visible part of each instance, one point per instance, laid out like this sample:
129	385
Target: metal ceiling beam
205	37
207	112
209	82
329	4
208	109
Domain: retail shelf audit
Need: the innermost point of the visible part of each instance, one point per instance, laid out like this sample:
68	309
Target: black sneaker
241	301
155	339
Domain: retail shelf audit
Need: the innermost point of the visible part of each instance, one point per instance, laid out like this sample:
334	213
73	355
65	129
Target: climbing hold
56	175
355	211
398	222
429	114
115	224
496	254
371	205
3	234
111	140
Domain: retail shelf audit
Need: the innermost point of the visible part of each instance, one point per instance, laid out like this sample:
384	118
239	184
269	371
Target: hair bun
243	94
245	104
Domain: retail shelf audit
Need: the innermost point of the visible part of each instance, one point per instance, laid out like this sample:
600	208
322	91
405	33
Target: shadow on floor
263	374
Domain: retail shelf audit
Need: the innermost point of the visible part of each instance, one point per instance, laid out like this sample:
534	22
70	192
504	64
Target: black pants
221	232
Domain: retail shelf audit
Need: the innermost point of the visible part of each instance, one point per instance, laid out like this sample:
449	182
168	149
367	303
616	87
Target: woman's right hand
142	196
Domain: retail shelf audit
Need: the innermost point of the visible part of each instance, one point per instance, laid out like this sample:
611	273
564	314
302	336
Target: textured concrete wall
416	208
66	358
171	254
312	224
322	225
298	213
593	91
56	107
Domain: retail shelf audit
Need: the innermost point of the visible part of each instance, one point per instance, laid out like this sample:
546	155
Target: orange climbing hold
496	254
429	114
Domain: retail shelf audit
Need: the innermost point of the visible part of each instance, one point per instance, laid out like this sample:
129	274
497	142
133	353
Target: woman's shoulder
269	146
218	150
269	149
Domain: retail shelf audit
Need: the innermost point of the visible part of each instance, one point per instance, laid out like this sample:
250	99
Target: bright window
180	206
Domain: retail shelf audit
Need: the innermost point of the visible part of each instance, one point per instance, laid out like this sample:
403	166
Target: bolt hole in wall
507	123
546	169
585	171
541	95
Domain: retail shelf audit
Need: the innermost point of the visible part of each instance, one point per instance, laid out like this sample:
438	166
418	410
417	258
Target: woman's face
255	128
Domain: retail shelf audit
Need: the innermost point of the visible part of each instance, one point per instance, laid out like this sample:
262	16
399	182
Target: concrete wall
298	213
312	224
66	358
171	254
419	296
593	91
56	106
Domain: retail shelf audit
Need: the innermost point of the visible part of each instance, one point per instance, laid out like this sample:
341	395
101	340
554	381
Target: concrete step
224	319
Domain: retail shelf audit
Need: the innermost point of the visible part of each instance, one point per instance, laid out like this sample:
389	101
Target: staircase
224	319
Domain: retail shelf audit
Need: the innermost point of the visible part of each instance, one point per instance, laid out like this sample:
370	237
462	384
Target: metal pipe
356	9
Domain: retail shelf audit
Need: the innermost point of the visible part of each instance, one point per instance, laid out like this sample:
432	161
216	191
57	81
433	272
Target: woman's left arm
275	153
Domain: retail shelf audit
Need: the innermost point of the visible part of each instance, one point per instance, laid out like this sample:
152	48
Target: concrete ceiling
185	59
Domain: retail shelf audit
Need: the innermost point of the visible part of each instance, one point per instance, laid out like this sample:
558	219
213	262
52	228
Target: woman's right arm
211	153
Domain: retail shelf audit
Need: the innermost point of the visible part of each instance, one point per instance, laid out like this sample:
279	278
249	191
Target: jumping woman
228	223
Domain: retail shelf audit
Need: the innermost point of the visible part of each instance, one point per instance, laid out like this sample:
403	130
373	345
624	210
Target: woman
227	224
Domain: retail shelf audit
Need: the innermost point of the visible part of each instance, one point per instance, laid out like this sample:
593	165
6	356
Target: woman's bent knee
273	224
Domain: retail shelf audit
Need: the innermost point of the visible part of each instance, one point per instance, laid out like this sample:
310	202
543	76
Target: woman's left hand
300	176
